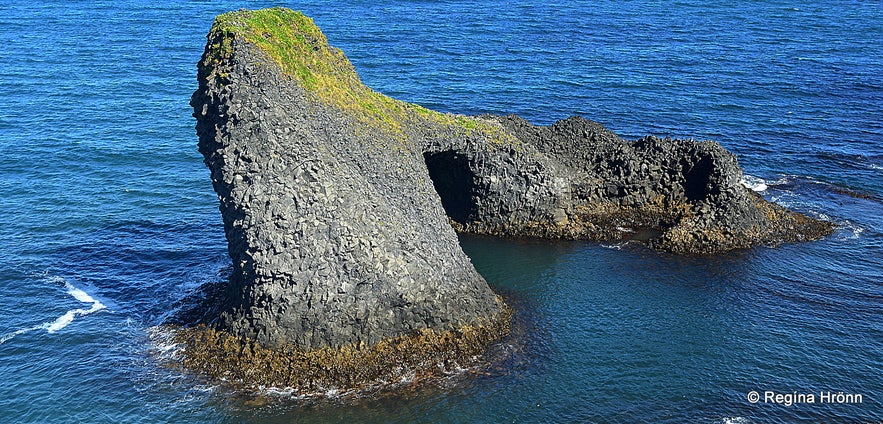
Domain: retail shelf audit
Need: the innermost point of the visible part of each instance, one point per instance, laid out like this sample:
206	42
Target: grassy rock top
298	46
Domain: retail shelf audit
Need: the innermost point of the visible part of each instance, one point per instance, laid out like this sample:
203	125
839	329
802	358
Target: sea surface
108	221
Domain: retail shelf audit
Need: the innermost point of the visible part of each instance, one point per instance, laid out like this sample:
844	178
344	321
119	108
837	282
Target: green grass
300	48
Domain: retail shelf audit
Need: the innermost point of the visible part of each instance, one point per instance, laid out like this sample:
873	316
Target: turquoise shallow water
109	221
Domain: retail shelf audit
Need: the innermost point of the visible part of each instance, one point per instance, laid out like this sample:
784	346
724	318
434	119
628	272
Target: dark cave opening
454	182
696	179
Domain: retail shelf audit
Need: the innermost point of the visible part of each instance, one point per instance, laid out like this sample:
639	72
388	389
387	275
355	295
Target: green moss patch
297	45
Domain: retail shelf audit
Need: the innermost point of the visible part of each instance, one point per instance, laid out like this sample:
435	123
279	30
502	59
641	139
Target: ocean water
109	222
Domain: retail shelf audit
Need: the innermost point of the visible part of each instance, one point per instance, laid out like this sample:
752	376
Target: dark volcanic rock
338	202
336	233
678	195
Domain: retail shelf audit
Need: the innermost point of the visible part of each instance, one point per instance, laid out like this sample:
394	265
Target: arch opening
697	179
454	182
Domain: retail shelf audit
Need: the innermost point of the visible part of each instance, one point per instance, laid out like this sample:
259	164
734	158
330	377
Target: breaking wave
66	318
755	183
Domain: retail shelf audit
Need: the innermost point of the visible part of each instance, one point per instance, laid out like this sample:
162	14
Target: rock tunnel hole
454	182
696	179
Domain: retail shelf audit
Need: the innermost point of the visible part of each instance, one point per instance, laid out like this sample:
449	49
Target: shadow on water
495	258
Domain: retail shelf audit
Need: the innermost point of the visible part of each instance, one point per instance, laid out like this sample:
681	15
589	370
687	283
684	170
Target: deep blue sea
108	220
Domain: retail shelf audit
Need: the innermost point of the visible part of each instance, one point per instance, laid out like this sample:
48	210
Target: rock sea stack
340	207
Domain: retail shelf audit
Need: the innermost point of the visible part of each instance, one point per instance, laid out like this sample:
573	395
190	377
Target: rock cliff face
340	204
677	195
334	228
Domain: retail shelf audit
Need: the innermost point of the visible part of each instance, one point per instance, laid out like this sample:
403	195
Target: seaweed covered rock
339	206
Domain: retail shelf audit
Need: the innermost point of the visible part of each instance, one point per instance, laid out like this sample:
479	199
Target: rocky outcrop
340	204
334	228
677	195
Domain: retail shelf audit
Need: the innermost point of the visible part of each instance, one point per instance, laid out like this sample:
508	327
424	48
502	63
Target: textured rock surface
338	201
333	226
678	195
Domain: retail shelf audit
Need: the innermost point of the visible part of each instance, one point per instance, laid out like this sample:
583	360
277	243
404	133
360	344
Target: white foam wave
279	392
617	246
164	345
69	316
80	295
66	318
754	183
781	181
9	336
849	230
856	233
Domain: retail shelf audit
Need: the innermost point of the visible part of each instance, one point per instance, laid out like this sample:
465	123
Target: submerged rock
339	206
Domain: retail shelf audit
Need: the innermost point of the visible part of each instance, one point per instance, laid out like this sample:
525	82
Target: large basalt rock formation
678	195
339	204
